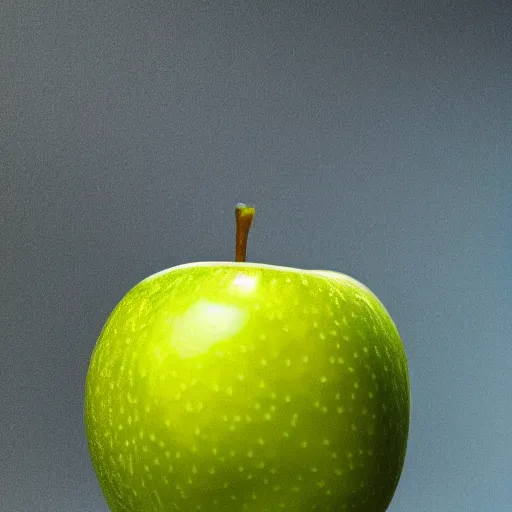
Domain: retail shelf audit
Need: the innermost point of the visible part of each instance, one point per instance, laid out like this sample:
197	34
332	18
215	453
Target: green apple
235	386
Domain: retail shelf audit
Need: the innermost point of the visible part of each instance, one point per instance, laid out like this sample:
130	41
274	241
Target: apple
236	386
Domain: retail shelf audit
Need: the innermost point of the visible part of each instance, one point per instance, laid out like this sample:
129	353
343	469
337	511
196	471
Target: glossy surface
236	386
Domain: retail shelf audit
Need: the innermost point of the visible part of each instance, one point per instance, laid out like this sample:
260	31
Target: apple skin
248	387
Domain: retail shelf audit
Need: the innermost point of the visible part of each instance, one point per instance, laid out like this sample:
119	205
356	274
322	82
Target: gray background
374	138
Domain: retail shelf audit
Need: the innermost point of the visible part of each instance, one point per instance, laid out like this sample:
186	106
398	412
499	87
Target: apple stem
244	215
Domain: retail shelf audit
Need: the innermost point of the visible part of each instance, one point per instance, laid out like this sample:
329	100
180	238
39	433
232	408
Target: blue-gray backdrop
375	138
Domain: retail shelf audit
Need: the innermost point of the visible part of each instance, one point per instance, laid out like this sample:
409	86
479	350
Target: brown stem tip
244	215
